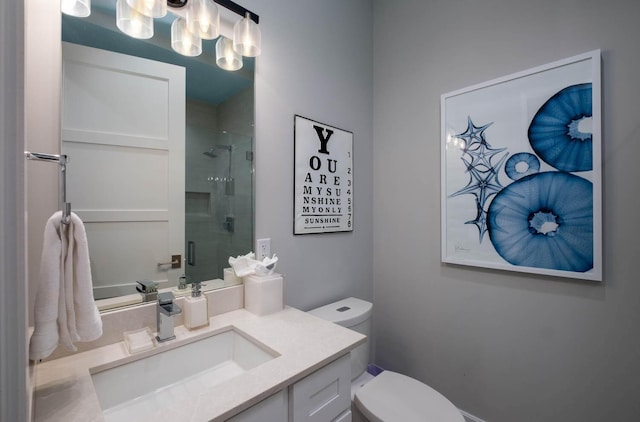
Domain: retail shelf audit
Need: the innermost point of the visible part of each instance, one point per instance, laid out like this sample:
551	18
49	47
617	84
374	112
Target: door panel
123	128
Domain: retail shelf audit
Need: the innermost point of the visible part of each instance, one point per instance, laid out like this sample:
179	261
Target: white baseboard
469	417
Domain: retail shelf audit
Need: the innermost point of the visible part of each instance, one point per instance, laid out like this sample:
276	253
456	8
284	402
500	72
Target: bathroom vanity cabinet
322	396
274	408
307	378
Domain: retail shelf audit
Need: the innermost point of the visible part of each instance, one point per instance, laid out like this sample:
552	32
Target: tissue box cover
264	295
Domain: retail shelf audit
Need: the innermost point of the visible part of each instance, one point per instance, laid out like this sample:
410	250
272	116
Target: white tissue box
230	277
264	294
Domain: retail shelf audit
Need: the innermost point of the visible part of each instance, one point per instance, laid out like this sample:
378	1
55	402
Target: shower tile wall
218	217
236	116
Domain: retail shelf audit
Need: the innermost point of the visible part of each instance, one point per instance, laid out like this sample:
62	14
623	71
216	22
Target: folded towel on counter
65	311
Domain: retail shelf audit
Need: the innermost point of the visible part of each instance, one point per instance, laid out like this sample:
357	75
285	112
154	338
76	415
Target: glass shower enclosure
219	204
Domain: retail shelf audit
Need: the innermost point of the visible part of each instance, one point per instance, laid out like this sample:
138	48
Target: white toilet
388	397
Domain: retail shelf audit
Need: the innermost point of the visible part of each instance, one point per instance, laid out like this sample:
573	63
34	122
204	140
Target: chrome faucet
166	309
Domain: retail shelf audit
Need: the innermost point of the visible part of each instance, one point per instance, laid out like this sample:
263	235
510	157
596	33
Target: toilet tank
355	314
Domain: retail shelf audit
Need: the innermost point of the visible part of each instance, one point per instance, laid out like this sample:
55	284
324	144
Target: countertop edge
305	343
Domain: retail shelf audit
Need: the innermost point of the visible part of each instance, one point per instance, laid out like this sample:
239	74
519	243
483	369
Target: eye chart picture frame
323	178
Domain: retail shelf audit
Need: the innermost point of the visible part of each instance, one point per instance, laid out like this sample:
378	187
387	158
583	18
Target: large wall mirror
161	156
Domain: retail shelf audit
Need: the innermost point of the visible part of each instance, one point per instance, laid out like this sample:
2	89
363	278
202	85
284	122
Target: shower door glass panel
219	191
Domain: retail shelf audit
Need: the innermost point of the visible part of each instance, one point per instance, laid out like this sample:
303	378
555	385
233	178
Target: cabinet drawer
273	409
324	395
345	417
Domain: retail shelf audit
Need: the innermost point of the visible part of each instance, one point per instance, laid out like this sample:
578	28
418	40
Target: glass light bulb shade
151	8
226	57
132	22
247	39
184	41
203	18
77	8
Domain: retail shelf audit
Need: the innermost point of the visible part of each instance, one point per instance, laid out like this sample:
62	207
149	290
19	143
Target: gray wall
503	346
316	62
16	379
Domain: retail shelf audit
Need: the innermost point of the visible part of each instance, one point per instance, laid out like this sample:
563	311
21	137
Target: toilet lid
391	397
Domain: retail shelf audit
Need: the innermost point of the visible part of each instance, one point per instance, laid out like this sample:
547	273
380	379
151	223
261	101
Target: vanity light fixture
77	8
246	37
151	8
226	57
132	22
201	21
184	41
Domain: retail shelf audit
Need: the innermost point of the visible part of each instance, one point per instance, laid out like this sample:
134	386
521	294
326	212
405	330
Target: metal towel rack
62	160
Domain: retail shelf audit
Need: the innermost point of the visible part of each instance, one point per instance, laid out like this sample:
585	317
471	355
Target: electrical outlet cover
263	249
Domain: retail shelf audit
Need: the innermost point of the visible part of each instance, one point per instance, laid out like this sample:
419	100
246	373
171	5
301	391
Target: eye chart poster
323	178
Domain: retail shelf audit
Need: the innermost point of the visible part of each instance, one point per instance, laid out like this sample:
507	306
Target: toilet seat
392	397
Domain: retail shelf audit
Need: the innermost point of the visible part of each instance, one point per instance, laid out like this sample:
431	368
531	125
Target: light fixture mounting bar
236	8
176	3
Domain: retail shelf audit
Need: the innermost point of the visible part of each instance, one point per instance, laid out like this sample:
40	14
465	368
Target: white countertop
64	390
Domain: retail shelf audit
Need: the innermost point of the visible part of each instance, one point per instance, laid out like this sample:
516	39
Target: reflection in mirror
161	152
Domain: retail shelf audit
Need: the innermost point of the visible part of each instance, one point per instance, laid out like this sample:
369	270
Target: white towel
65	311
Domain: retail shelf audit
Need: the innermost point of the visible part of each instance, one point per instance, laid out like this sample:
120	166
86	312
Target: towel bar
62	160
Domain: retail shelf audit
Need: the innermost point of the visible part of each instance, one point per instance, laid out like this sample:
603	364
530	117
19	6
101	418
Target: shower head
210	153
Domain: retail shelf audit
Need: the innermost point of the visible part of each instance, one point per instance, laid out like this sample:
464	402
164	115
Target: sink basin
142	387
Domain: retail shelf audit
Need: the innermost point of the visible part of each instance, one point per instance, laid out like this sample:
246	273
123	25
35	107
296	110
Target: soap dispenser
196	312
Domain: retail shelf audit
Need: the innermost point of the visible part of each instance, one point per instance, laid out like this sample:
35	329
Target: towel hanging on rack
65	311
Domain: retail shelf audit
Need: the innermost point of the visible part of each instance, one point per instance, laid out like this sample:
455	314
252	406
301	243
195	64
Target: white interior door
123	128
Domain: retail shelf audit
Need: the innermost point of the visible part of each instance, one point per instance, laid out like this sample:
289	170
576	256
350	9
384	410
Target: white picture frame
521	171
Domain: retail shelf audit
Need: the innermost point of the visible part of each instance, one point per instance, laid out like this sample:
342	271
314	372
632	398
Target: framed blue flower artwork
521	171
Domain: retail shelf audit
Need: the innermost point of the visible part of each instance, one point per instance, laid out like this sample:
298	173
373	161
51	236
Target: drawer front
324	395
345	417
272	409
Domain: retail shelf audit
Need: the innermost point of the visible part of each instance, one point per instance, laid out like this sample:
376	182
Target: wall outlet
263	248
